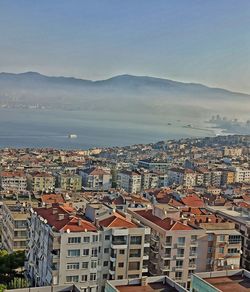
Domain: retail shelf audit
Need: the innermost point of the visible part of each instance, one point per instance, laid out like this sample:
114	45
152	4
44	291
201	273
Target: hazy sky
205	41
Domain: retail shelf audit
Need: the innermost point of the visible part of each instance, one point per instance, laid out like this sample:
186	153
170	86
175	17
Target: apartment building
14	233
130	181
149	180
96	178
70	182
154	166
173	246
242	175
40	182
63	248
241	218
13	181
232	151
219	248
125	248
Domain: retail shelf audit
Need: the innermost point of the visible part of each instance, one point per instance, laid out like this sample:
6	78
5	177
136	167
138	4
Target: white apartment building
67	248
242	175
13	181
63	249
130	181
96	178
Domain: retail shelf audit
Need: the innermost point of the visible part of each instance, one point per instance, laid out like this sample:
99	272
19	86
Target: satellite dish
68	230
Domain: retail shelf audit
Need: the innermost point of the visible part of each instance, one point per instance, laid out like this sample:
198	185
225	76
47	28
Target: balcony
192	266
166	256
193	255
155	238
155	248
178	268
167	244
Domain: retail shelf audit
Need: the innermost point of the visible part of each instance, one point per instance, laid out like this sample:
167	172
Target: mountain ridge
121	78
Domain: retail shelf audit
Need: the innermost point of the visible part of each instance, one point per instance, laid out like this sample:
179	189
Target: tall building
14	226
173	247
40	182
65	247
130	181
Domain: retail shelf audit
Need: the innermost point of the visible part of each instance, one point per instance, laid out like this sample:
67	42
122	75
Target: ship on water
72	136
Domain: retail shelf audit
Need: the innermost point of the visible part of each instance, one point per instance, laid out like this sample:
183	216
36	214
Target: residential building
154	166
173	247
130	181
69	182
13	181
63	248
14	233
95	178
242	175
41	182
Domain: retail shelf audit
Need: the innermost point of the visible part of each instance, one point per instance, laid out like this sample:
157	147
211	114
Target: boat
72	136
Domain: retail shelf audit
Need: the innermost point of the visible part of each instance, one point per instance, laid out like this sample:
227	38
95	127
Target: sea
39	128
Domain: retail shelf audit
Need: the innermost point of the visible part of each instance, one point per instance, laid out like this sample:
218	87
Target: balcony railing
119	242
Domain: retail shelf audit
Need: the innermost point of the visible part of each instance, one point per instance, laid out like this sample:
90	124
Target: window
86	239
121	265
221	238
84	278
122	251
181	241
73	252
180	252
234	239
95	238
85	265
106	250
178	275
221	250
133	276
73	266
210	249
70	279
92	277
120	277
135	253
105	276
94	252
107	237
93	264
74	240
179	263
134	266
193	251
105	264
193	238
233	250
210	237
135	240
85	252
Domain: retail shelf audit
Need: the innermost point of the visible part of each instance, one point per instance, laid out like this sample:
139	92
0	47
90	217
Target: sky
204	41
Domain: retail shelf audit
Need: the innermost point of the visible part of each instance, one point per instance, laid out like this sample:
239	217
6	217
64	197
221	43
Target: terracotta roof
52	198
192	201
167	223
117	220
68	221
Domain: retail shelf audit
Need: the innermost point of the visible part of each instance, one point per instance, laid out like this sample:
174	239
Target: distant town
172	215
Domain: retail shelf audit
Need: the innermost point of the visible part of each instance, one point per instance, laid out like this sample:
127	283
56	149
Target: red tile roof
52	198
192	201
167	223
117	220
68	221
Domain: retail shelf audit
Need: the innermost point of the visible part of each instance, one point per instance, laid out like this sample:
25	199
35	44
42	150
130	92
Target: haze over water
45	128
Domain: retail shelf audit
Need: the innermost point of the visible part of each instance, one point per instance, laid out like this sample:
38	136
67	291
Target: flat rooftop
235	283
236	215
160	287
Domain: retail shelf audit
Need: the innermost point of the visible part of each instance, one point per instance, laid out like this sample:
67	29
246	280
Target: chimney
54	211
79	222
60	216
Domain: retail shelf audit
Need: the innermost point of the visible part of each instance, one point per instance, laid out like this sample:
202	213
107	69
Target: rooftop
231	283
160	287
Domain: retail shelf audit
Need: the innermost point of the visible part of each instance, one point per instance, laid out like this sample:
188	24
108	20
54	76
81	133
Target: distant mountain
124	93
